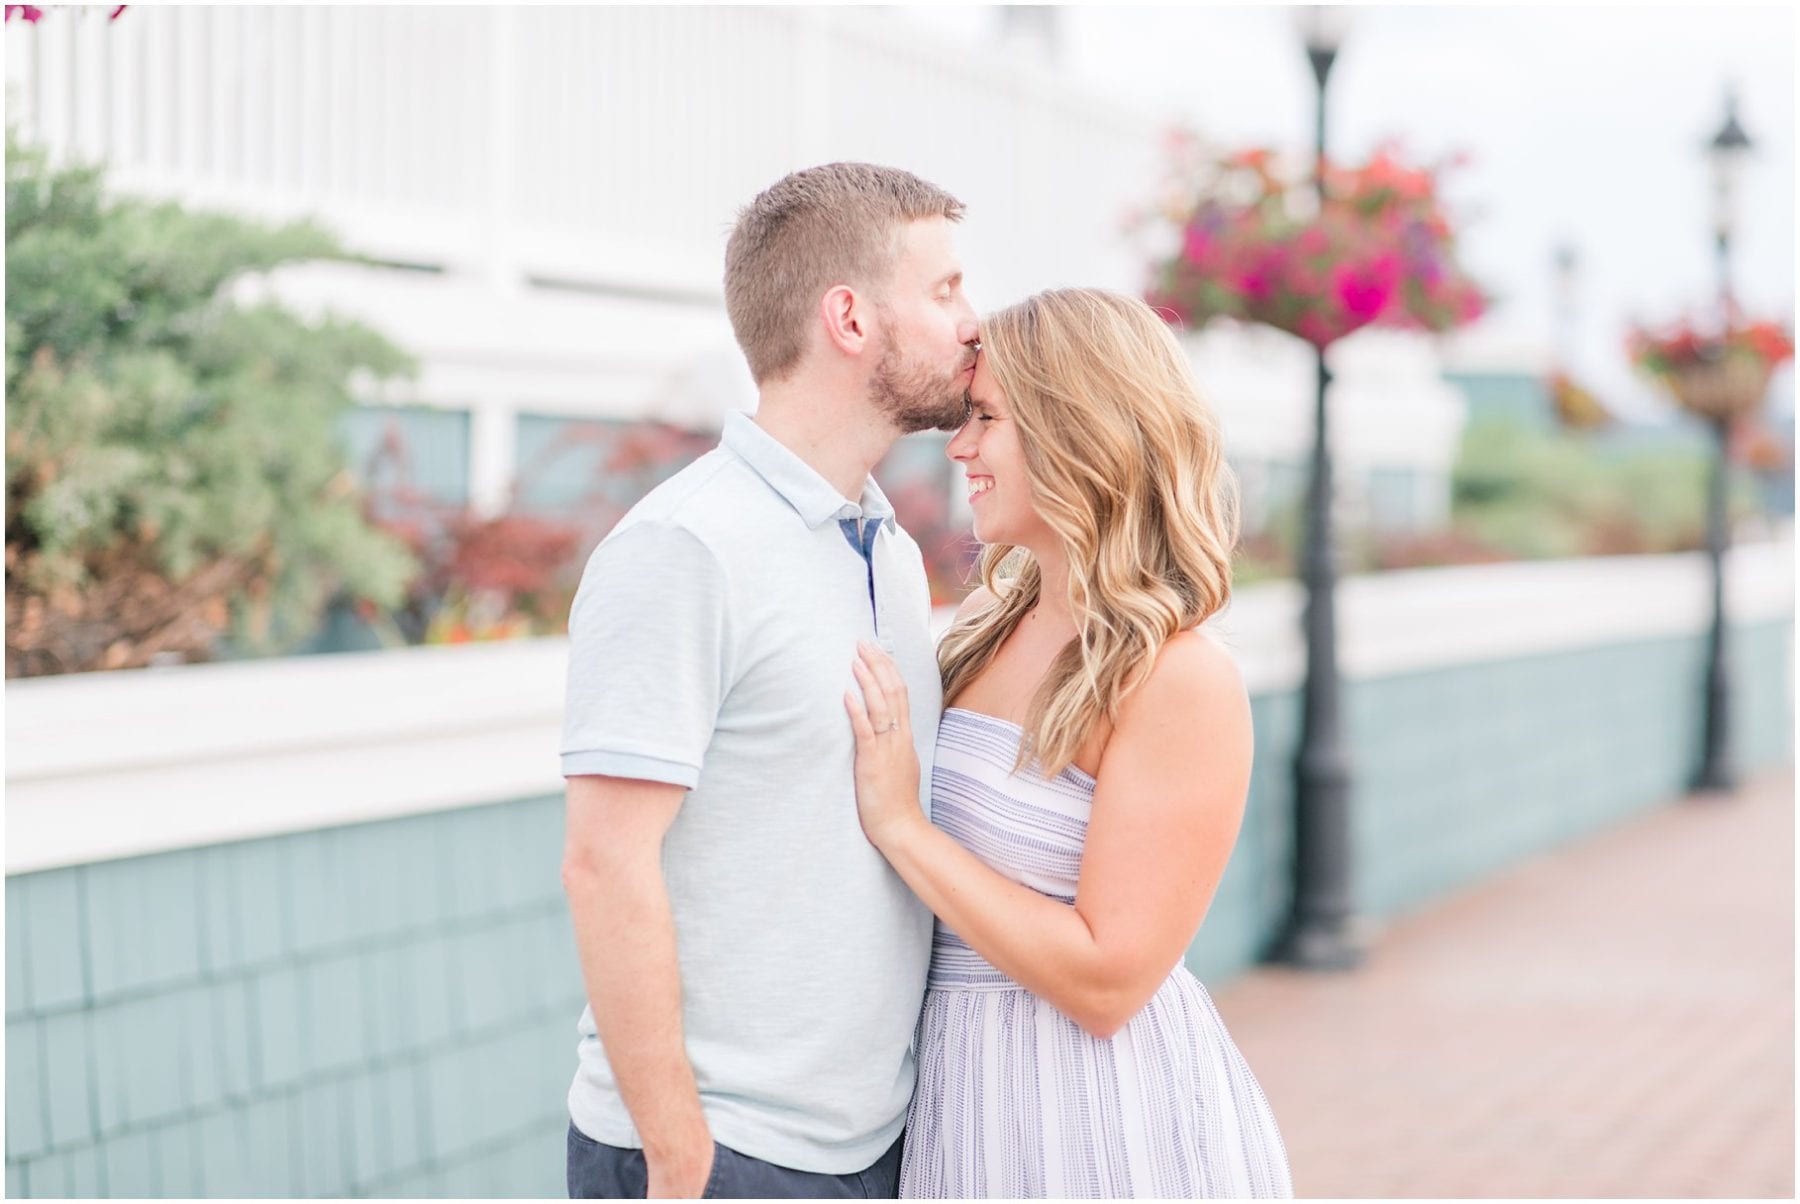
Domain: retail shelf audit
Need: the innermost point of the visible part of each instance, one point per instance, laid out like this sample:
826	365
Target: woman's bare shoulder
1188	722
1194	675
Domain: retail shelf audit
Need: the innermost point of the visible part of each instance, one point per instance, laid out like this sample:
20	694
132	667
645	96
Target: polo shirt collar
810	494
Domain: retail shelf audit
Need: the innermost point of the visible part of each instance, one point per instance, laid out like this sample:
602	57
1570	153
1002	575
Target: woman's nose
960	447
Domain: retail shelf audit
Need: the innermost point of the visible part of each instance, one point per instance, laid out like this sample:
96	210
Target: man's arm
625	938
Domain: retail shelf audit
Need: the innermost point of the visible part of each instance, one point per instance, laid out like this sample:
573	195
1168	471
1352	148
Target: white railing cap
107	765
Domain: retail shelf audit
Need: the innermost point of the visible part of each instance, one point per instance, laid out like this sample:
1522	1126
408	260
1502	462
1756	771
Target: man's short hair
809	232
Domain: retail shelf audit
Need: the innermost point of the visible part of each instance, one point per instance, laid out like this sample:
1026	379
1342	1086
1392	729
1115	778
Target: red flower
1769	341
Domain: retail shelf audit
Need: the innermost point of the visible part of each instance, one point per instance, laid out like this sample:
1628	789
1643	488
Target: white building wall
570	175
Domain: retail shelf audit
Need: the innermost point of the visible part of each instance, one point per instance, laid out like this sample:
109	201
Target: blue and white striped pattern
1014	1100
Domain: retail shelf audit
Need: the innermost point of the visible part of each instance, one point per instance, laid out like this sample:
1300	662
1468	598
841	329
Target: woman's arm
1169	800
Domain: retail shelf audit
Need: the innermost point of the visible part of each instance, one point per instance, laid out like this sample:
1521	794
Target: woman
1090	777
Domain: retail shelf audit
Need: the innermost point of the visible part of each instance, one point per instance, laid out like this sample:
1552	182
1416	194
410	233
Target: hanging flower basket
1715	375
1256	245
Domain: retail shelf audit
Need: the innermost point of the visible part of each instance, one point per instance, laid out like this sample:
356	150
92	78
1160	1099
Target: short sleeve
647	648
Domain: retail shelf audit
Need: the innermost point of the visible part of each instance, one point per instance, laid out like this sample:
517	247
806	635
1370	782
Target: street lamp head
1729	150
1731	138
1322	28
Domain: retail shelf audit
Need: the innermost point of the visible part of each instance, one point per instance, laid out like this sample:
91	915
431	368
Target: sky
1585	125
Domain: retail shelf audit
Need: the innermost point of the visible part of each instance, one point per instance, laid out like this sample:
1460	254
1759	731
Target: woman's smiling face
993	459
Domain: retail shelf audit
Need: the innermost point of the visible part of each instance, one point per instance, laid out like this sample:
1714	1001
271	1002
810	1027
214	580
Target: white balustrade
607	147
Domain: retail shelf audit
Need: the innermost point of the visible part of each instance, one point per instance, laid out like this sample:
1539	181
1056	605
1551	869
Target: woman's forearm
1043	944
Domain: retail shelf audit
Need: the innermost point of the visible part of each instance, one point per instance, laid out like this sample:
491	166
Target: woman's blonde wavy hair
1126	467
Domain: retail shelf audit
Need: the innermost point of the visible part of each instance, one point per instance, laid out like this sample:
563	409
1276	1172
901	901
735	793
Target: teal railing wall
1460	772
388	1009
382	1009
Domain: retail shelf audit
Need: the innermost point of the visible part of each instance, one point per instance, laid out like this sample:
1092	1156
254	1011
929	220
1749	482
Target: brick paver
1615	1018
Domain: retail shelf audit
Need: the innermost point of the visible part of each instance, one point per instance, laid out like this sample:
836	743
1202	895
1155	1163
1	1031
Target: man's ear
845	316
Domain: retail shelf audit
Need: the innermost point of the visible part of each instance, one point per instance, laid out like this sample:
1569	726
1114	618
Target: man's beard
914	397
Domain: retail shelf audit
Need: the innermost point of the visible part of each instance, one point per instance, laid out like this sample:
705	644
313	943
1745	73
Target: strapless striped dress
1014	1100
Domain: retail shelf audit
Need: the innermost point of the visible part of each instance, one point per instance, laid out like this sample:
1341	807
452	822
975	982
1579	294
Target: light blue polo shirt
710	646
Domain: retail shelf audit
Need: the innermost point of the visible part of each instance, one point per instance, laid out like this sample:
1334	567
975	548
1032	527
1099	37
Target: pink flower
29	12
1258	279
1197	246
1365	290
1254	285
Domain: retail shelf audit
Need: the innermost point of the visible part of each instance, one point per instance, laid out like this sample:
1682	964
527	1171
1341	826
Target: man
754	969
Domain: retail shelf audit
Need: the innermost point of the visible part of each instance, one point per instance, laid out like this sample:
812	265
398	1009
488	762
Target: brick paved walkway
1611	1019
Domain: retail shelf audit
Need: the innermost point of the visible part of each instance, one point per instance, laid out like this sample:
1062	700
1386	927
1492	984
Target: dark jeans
605	1172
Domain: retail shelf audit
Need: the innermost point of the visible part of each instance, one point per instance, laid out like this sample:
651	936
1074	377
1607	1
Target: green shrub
173	471
1537	493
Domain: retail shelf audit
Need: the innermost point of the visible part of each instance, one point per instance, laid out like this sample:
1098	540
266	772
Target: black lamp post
1729	150
1319	933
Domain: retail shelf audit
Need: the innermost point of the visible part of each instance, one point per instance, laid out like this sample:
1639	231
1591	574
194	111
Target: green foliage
1521	492
1539	494
171	449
